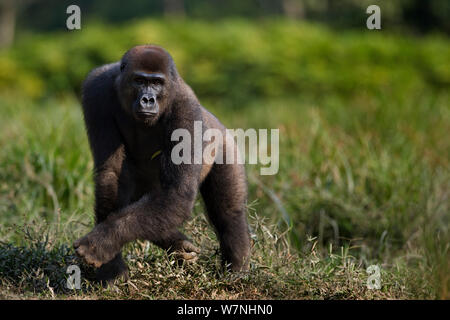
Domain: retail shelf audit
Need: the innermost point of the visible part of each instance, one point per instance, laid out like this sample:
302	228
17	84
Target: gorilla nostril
147	100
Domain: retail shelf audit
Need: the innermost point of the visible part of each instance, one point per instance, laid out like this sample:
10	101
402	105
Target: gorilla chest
143	161
145	174
141	177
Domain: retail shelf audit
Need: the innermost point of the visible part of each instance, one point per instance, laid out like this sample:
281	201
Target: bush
233	60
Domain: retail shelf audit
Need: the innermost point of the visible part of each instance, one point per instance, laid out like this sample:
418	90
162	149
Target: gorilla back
131	108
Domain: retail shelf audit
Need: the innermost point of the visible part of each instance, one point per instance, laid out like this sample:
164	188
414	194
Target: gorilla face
148	89
144	84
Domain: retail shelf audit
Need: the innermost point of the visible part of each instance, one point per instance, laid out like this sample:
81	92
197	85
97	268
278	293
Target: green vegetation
235	61
364	160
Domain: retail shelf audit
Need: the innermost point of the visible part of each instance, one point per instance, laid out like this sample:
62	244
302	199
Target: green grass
36	269
372	202
364	178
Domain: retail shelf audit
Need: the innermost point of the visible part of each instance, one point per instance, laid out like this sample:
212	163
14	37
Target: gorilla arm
154	217
104	138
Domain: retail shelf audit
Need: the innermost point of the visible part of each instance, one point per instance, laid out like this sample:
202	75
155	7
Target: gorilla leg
224	192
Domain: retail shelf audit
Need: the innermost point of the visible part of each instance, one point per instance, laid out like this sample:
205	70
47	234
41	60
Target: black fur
140	198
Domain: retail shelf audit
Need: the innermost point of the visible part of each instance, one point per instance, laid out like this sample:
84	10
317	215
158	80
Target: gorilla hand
96	248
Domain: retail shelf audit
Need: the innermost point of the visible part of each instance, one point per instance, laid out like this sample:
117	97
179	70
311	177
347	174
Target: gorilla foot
184	250
115	269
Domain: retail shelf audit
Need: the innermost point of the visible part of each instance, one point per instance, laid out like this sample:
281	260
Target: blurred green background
364	116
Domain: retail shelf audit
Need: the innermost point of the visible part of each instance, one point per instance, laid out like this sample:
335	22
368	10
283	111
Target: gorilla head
147	76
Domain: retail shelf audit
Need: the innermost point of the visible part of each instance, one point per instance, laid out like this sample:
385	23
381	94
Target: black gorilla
131	109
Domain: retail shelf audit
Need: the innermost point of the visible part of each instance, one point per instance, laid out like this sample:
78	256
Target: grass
37	268
352	201
364	179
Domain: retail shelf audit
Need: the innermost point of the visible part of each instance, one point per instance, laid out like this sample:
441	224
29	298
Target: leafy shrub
234	60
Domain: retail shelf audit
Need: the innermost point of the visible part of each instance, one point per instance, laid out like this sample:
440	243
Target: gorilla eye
139	80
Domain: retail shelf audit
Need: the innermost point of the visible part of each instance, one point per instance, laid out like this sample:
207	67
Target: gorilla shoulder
100	82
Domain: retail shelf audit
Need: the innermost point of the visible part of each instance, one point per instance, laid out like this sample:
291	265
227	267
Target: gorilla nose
147	101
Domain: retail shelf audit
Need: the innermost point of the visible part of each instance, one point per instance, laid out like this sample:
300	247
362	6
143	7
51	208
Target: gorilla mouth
145	115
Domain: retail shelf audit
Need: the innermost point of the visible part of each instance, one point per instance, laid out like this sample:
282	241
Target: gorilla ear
122	66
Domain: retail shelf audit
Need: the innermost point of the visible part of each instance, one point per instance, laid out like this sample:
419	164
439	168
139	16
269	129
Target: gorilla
131	108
